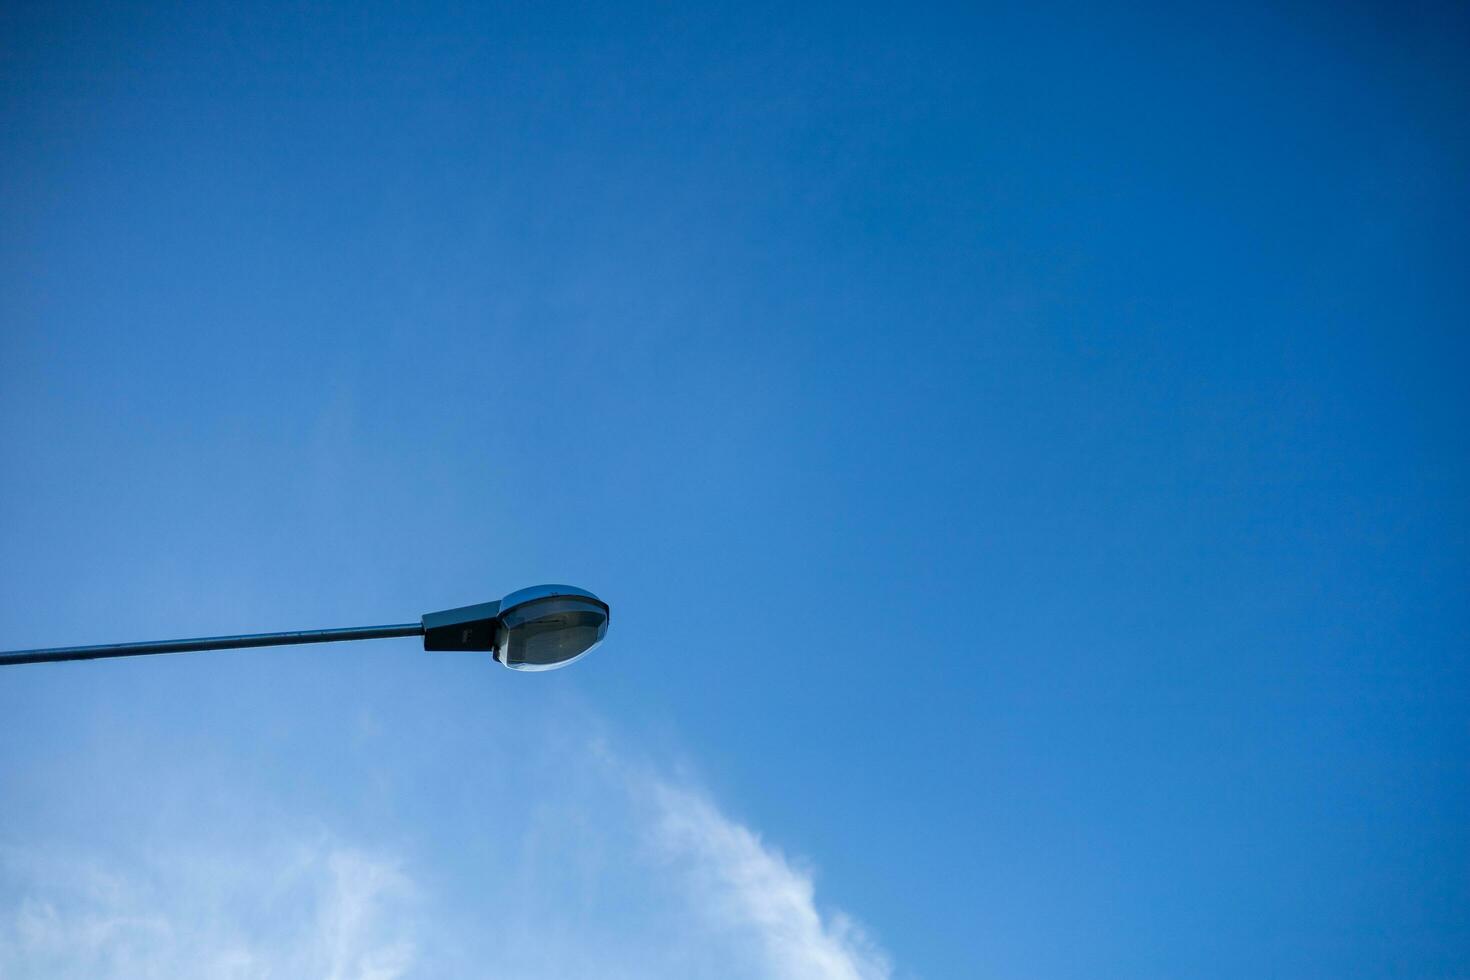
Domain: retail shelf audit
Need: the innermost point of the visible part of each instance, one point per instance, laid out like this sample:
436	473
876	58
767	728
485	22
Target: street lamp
540	628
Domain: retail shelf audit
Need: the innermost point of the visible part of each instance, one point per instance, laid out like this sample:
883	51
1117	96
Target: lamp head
540	628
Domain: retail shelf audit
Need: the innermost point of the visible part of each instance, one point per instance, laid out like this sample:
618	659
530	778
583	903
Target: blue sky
1024	450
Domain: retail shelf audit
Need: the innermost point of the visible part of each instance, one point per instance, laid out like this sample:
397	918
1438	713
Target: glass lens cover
549	633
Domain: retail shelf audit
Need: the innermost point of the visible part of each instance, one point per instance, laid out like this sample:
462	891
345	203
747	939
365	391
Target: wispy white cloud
742	886
612	870
313	909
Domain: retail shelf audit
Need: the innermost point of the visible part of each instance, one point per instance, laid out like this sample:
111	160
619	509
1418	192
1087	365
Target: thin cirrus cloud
746	887
311	909
662	883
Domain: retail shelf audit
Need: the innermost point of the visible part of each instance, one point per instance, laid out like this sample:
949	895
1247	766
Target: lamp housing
540	628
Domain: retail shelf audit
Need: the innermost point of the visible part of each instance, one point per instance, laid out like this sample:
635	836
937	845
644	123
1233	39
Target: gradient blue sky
1024	448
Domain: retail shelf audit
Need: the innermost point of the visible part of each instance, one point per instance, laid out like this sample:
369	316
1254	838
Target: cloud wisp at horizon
617	871
312	908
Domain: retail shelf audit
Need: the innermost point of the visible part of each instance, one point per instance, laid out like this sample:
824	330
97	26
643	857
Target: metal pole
209	643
